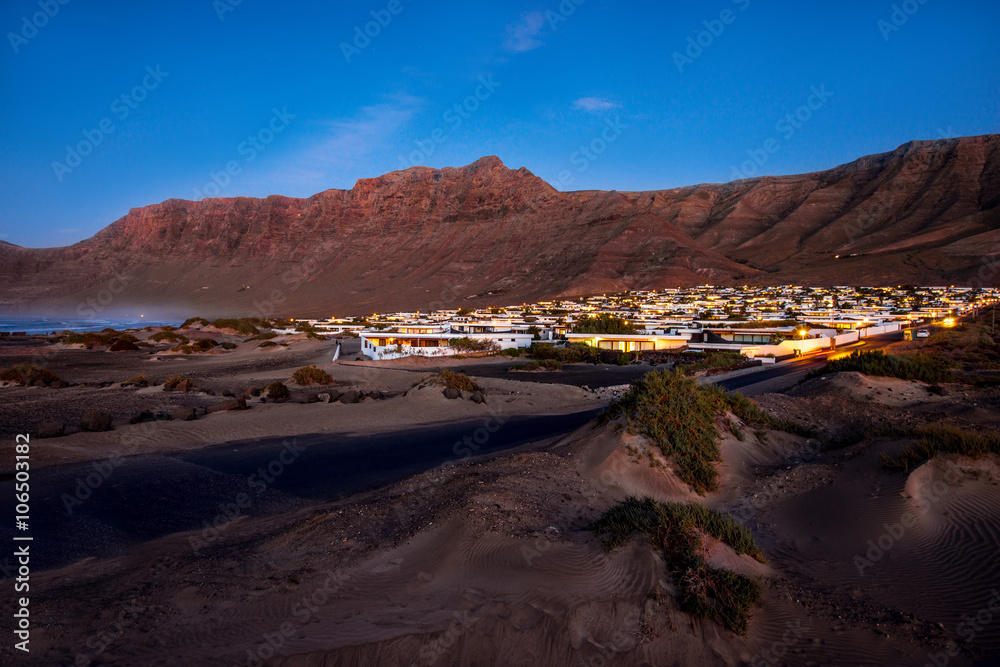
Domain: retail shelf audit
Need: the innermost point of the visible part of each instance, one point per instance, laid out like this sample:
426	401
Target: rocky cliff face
483	233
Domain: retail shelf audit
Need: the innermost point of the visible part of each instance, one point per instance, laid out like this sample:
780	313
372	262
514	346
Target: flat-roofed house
630	342
431	341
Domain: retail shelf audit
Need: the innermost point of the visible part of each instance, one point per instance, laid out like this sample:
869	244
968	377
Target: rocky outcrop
431	238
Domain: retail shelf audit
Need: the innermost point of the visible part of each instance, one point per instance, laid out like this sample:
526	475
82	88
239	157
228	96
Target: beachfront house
435	341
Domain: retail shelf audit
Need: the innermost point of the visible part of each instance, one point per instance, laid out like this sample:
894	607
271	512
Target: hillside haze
437	238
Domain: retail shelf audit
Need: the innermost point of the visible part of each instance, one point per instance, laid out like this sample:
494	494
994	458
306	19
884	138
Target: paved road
794	370
145	497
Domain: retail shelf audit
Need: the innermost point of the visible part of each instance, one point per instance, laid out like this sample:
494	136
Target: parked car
923	333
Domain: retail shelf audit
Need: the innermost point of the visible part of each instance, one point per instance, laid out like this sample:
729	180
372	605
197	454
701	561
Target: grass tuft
718	594
311	375
26	374
929	441
877	363
277	391
454	380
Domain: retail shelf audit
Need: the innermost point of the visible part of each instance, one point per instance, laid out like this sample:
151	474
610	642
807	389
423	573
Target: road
148	496
786	373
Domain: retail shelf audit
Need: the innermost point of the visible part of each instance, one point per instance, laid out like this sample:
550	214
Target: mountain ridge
484	233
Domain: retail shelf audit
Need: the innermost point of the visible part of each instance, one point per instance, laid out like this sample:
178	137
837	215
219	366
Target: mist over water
45	325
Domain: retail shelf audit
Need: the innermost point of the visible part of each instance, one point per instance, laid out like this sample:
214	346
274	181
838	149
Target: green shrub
604	323
169	337
172	382
454	380
512	352
545	365
466	344
277	391
200	345
680	416
721	595
529	366
242	326
228	346
929	441
878	363
268	343
26	375
267	335
195	320
311	375
89	339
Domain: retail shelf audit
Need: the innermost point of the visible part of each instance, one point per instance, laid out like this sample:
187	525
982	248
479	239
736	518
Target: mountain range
422	238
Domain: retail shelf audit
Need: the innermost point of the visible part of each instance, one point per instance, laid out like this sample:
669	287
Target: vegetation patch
466	344
244	326
680	417
26	374
877	363
604	323
721	595
266	335
544	365
573	353
168	337
200	345
277	391
311	375
268	343
195	320
176	380
310	331
228	346
454	380
92	339
929	441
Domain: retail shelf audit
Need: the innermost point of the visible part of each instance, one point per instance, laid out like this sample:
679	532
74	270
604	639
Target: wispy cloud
595	104
344	143
524	34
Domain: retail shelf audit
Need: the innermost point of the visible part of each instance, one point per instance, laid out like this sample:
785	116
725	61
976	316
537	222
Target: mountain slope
424	238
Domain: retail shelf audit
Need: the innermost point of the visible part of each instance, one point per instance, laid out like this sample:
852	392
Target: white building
435	341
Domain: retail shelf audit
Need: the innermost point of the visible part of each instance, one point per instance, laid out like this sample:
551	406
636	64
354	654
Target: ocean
46	325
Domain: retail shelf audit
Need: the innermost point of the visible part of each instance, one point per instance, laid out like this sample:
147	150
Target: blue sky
165	97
